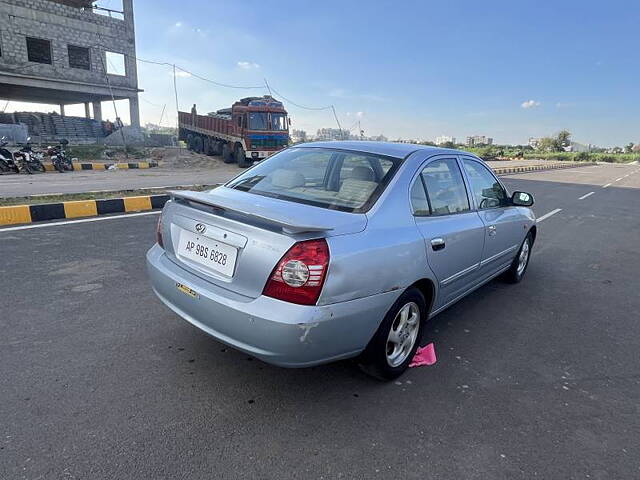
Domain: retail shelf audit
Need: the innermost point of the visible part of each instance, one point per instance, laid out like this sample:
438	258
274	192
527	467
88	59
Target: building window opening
79	57
39	50
115	64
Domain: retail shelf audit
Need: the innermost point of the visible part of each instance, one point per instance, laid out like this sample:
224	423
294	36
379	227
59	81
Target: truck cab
264	123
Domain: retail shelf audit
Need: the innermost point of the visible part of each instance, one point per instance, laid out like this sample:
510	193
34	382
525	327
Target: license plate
213	255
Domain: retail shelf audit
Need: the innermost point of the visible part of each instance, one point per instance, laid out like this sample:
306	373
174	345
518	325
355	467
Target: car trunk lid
249	232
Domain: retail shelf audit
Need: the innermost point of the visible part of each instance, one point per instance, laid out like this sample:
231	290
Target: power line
200	77
328	107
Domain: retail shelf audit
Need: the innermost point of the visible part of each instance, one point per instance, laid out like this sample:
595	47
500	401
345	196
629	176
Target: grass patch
39	199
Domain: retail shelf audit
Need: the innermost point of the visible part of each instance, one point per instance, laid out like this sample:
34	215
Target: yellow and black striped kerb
79	208
105	166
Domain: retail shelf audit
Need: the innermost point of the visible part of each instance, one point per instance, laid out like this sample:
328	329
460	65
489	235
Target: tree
557	143
564	138
548	144
628	148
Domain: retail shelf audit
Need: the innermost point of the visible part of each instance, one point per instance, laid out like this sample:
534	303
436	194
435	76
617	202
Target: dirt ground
175	157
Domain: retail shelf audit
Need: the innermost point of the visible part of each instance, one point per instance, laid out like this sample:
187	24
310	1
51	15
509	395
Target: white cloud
359	114
180	74
178	24
530	104
565	104
248	65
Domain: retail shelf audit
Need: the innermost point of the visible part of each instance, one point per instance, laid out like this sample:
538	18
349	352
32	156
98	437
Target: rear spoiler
251	210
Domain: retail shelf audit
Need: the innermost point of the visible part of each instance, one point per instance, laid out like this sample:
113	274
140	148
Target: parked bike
59	159
28	160
7	162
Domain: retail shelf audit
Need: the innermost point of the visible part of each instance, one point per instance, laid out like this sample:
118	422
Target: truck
251	130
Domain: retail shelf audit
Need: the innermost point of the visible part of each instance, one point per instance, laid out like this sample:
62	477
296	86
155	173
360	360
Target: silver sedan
327	251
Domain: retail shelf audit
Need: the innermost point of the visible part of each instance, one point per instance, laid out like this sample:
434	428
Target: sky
407	69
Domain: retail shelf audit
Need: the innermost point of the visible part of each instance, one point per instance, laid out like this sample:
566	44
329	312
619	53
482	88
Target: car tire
227	154
521	261
387	359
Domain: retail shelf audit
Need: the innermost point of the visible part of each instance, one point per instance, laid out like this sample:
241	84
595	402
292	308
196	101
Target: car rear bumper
277	332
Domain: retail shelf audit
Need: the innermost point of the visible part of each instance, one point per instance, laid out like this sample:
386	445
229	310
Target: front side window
38	50
278	121
333	179
258	121
486	189
444	189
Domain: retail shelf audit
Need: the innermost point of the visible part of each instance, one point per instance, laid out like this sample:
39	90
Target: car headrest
362	173
284	178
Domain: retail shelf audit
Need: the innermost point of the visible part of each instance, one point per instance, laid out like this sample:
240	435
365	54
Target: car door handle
437	244
492	230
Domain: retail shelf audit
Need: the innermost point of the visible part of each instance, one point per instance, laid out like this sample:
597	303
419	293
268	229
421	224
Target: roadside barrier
79	208
535	168
105	166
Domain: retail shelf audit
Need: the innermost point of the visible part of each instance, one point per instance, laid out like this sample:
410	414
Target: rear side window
443	189
334	179
486	189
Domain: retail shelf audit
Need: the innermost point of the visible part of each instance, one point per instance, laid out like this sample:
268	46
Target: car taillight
300	274
159	232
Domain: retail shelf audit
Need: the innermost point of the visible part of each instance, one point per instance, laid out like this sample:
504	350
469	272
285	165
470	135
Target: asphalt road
535	380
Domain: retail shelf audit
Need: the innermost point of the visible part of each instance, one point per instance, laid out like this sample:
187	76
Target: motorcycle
7	163
59	158
29	160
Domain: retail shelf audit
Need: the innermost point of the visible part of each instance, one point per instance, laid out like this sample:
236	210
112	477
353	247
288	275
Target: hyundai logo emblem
200	227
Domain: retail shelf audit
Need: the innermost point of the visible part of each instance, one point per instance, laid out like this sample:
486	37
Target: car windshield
328	178
278	121
258	121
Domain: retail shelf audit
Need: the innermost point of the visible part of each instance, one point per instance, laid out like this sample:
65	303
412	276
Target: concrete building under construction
64	52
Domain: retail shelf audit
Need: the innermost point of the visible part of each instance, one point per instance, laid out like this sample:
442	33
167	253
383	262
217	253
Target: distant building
332	134
534	142
579	147
378	138
442	139
63	52
298	136
478	140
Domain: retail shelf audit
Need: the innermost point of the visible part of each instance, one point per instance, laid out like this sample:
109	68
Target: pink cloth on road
424	356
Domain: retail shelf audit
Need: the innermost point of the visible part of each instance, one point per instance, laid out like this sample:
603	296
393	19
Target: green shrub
582	157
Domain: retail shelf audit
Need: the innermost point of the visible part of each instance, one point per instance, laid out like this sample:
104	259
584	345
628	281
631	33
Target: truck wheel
241	158
198	145
227	154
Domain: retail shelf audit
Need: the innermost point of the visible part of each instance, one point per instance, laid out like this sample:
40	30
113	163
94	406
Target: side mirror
522	199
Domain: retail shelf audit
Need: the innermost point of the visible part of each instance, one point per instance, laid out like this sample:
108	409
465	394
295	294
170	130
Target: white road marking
618	179
547	215
607	185
84	220
586	195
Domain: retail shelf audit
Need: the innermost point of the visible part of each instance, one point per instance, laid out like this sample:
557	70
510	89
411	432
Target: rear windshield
334	179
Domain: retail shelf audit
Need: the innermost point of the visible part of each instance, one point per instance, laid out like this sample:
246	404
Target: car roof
390	149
